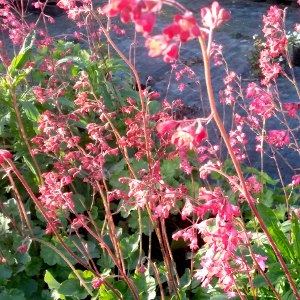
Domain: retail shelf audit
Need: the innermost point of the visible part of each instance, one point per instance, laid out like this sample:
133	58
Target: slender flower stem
21	126
237	166
37	203
66	260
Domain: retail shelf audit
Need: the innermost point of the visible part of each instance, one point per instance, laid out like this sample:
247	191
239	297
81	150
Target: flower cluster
276	45
185	135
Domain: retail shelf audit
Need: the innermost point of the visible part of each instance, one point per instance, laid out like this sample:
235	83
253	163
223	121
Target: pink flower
181	87
66	4
38	4
163	127
77	35
145	23
22	249
213	17
171	53
261	261
96	283
279	137
142	269
156	45
187	136
4	154
184	26
296	180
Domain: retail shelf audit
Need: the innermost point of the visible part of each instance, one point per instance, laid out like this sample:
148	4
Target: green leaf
19	61
134	221
46	295
4	221
28	286
31	111
23	258
154	107
115	183
9	257
63	101
268	198
296	235
129	245
29	163
5	271
145	285
107	295
105	262
274	277
275	230
218	297
13	294
170	170
71	287
138	165
77	199
34	266
117	167
51	281
280	211
268	179
12	207
185	280
51	257
289	295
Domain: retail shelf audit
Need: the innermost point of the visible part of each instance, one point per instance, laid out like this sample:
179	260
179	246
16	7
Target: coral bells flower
145	23
134	10
66	4
4	154
213	17
279	137
166	126
96	283
184	26
187	136
22	249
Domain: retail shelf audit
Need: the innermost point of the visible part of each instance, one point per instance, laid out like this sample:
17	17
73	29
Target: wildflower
187	136
166	126
296	180
22	249
213	17
181	87
4	154
142	269
145	23
38	5
261	261
96	283
185	27
279	137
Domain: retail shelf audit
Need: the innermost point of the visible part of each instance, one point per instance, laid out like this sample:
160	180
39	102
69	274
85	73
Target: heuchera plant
94	131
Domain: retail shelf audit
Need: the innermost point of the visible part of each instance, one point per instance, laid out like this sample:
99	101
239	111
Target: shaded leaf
33	267
71	287
5	271
13	294
31	111
296	235
275	231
